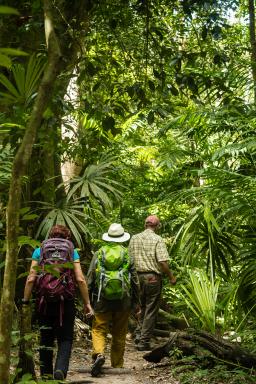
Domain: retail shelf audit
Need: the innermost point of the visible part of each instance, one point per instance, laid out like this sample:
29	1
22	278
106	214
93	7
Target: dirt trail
136	369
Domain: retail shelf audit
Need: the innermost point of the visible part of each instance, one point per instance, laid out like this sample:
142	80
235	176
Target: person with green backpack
114	290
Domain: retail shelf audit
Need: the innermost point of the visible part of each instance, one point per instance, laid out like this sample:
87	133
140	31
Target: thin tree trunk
251	7
26	361
19	170
73	49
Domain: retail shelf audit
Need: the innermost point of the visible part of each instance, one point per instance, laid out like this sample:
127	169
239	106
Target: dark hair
60	231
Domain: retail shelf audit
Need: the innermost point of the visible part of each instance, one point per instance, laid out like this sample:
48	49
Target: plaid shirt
147	250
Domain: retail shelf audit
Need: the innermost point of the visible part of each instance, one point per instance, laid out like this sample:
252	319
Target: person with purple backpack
55	270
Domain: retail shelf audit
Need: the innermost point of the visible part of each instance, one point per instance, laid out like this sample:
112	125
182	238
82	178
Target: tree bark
203	344
72	27
251	7
26	361
20	164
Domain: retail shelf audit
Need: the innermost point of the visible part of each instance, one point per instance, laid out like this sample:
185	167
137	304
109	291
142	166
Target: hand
89	312
172	280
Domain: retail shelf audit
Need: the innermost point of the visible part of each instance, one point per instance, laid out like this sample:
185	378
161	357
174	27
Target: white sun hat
116	234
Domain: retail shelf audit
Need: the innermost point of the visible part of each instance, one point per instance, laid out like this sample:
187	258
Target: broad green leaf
5	61
5	10
13	52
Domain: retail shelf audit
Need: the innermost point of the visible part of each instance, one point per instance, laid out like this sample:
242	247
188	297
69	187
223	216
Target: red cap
152	220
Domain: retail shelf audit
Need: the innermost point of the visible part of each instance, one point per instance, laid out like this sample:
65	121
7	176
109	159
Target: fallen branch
173	321
161	332
203	344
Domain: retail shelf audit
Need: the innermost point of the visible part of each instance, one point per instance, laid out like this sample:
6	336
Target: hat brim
126	236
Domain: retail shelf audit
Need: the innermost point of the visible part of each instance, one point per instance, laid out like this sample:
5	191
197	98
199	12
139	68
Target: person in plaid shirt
151	257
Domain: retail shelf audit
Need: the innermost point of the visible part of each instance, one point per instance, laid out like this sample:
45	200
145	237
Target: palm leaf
97	185
25	81
201	297
70	214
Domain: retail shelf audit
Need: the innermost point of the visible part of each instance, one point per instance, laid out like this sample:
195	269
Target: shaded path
136	369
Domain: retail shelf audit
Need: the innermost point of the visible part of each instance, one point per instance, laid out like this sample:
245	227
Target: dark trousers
51	330
151	287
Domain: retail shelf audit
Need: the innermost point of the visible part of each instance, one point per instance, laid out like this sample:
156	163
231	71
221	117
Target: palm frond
97	183
201	297
203	240
70	213
25	81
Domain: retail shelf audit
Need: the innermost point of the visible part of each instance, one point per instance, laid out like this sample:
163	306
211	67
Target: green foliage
230	312
247	280
218	374
166	88
5	60
201	239
5	10
25	82
6	157
201	297
95	184
69	213
28	379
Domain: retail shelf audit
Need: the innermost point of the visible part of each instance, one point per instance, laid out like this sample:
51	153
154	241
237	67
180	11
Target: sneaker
144	347
58	375
98	363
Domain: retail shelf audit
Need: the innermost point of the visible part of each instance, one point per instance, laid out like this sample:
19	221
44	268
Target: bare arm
30	280
165	268
79	276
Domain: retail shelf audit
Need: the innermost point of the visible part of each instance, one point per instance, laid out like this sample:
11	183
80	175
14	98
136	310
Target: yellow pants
115	323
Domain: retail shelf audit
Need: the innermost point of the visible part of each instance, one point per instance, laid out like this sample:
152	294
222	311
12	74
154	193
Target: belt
149	273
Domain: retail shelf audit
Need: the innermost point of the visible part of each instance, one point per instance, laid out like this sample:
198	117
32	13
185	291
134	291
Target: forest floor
137	370
171	370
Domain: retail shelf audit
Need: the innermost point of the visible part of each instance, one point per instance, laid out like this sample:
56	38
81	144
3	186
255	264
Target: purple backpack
55	281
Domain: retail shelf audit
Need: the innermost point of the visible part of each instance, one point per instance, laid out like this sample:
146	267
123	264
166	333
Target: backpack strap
102	256
123	257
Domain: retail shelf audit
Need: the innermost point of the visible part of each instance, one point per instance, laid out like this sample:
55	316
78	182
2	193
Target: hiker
151	257
114	291
55	304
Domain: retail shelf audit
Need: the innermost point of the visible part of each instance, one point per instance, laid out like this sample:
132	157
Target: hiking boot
143	347
58	375
98	363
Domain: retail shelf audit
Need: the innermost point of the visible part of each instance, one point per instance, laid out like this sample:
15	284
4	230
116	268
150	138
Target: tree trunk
203	344
26	361
19	170
251	7
73	50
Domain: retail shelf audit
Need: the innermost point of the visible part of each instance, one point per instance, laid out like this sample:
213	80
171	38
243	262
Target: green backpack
113	278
